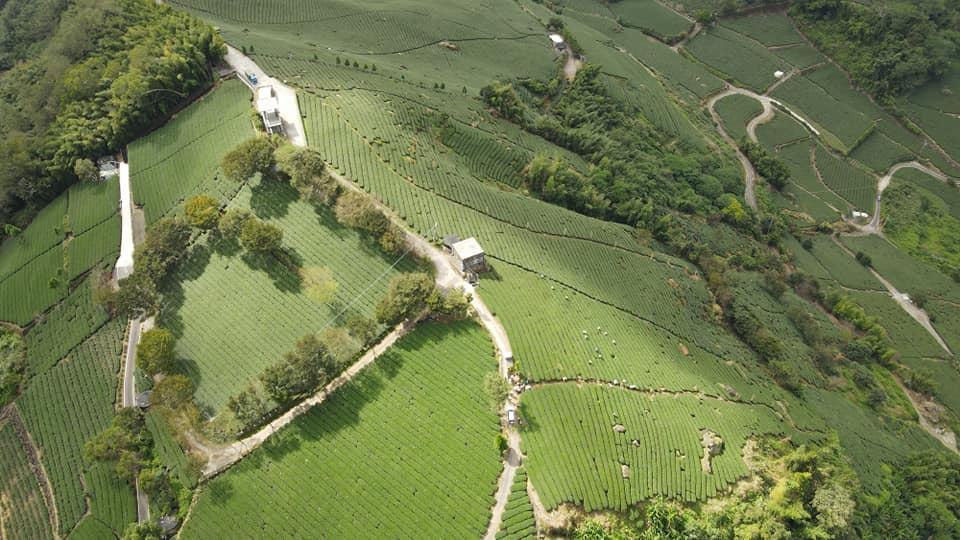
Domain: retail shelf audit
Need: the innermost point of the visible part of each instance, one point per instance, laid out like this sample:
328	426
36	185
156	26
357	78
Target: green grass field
177	160
736	111
923	224
404	450
65	406
222	297
24	511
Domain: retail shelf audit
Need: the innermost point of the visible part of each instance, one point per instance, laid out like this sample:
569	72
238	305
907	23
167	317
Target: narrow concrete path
122	270
510	465
749	173
124	265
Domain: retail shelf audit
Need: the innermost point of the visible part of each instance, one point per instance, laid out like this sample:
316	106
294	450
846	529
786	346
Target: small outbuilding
269	108
470	255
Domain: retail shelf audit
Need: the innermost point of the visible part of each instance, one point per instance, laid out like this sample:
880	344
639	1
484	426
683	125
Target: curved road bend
874	226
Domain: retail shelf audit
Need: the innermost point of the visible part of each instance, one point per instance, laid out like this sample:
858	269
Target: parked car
252	77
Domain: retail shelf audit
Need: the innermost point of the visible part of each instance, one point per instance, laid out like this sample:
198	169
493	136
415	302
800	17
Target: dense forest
889	47
637	170
107	70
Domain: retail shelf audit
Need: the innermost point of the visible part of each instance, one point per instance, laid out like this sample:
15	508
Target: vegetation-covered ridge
108	70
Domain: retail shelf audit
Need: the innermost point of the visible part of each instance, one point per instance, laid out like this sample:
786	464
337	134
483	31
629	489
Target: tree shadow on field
281	275
220	490
271	198
174	297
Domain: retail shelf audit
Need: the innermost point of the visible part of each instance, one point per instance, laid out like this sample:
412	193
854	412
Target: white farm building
269	108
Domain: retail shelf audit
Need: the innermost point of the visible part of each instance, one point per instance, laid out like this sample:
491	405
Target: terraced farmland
24	511
853	184
903	271
68	404
406	449
747	62
518	520
72	234
173	162
601	447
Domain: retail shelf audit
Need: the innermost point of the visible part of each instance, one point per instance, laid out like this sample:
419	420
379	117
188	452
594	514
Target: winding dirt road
874	226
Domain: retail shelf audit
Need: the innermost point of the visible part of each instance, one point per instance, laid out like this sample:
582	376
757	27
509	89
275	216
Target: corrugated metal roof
467	248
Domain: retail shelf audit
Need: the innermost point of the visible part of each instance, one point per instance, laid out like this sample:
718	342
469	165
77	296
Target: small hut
470	255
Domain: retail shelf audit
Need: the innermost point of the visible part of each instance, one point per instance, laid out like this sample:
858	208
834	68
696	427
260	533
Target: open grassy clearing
949	194
908	337
941	95
65	406
172	163
576	455
221	295
22	507
736	111
907	274
744	60
406	449
518	520
855	185
923	225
